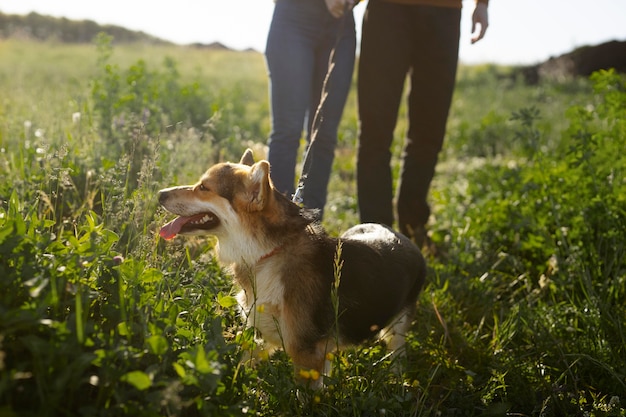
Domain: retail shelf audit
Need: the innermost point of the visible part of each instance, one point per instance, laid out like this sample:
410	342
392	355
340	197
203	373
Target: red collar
269	254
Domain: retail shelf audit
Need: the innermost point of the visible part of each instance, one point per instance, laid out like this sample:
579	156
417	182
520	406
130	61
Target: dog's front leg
309	364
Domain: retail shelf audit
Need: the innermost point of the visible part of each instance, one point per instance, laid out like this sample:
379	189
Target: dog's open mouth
182	224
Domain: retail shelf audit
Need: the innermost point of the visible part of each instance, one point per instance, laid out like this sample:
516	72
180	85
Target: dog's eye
201	187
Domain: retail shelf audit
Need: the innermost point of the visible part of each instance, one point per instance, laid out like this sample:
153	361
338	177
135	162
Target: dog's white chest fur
262	303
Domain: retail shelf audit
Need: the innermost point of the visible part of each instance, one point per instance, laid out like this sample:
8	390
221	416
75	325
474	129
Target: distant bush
157	99
138	103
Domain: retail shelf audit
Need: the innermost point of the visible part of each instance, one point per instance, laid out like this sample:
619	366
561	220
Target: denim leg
383	66
322	153
289	55
301	37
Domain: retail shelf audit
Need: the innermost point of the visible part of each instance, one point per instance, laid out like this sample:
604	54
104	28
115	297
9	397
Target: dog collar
269	254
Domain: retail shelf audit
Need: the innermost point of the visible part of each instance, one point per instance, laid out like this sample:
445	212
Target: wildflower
544	281
311	374
263	355
260	308
317	399
76	117
330	356
146	115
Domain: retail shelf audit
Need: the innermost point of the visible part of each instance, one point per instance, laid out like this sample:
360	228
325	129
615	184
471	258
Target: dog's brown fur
284	263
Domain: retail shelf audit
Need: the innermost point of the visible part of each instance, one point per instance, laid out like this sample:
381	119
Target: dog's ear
247	158
259	186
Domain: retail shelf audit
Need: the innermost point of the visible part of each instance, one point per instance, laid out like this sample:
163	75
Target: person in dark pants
419	38
301	37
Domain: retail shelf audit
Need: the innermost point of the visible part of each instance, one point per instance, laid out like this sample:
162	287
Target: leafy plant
547	240
523	313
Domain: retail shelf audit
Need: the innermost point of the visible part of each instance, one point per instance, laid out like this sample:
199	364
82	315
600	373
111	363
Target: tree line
40	27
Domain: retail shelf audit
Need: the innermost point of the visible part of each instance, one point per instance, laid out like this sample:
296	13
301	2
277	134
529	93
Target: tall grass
522	315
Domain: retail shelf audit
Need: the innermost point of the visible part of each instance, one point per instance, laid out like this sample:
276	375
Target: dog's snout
163	195
168	193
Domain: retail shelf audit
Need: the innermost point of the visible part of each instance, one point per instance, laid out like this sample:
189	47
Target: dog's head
223	195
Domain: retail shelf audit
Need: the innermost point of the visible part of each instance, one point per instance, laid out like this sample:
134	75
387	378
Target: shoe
419	236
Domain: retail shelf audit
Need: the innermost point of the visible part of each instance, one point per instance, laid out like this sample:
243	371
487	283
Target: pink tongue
171	229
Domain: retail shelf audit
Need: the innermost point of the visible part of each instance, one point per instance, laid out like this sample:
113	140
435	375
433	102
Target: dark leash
319	112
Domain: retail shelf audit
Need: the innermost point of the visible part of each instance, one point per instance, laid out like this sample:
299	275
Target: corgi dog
302	290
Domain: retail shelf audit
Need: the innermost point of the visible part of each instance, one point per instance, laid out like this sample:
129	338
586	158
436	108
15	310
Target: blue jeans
301	37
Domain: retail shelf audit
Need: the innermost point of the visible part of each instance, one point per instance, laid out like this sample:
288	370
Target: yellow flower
264	355
309	374
330	356
260	308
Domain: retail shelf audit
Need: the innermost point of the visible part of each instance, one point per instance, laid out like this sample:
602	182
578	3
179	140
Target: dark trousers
423	42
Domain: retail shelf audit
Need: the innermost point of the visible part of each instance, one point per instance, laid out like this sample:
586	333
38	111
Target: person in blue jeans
301	37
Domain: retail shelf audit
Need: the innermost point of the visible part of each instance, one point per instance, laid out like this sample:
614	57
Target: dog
301	289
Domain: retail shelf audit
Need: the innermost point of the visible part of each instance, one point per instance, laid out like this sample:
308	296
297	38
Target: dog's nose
162	194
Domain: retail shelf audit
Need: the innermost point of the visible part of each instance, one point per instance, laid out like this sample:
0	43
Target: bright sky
520	32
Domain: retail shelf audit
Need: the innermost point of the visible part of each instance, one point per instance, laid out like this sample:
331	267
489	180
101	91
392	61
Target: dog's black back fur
370	278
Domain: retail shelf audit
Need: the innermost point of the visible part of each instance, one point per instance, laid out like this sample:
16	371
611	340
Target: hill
40	27
581	62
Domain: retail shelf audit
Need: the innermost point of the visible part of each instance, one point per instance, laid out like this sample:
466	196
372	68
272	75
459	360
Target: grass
522	315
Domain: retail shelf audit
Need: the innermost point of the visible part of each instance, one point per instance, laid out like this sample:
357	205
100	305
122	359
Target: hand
337	7
479	17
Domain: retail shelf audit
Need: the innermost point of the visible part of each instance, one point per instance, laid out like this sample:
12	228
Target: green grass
523	313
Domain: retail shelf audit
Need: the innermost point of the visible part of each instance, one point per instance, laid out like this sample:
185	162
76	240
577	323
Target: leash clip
297	196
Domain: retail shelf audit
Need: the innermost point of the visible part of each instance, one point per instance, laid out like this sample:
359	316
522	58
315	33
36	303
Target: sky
520	32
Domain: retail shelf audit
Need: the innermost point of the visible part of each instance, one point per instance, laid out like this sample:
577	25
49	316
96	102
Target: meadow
523	313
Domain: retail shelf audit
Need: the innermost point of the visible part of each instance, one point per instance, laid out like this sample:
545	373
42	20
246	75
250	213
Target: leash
319	114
